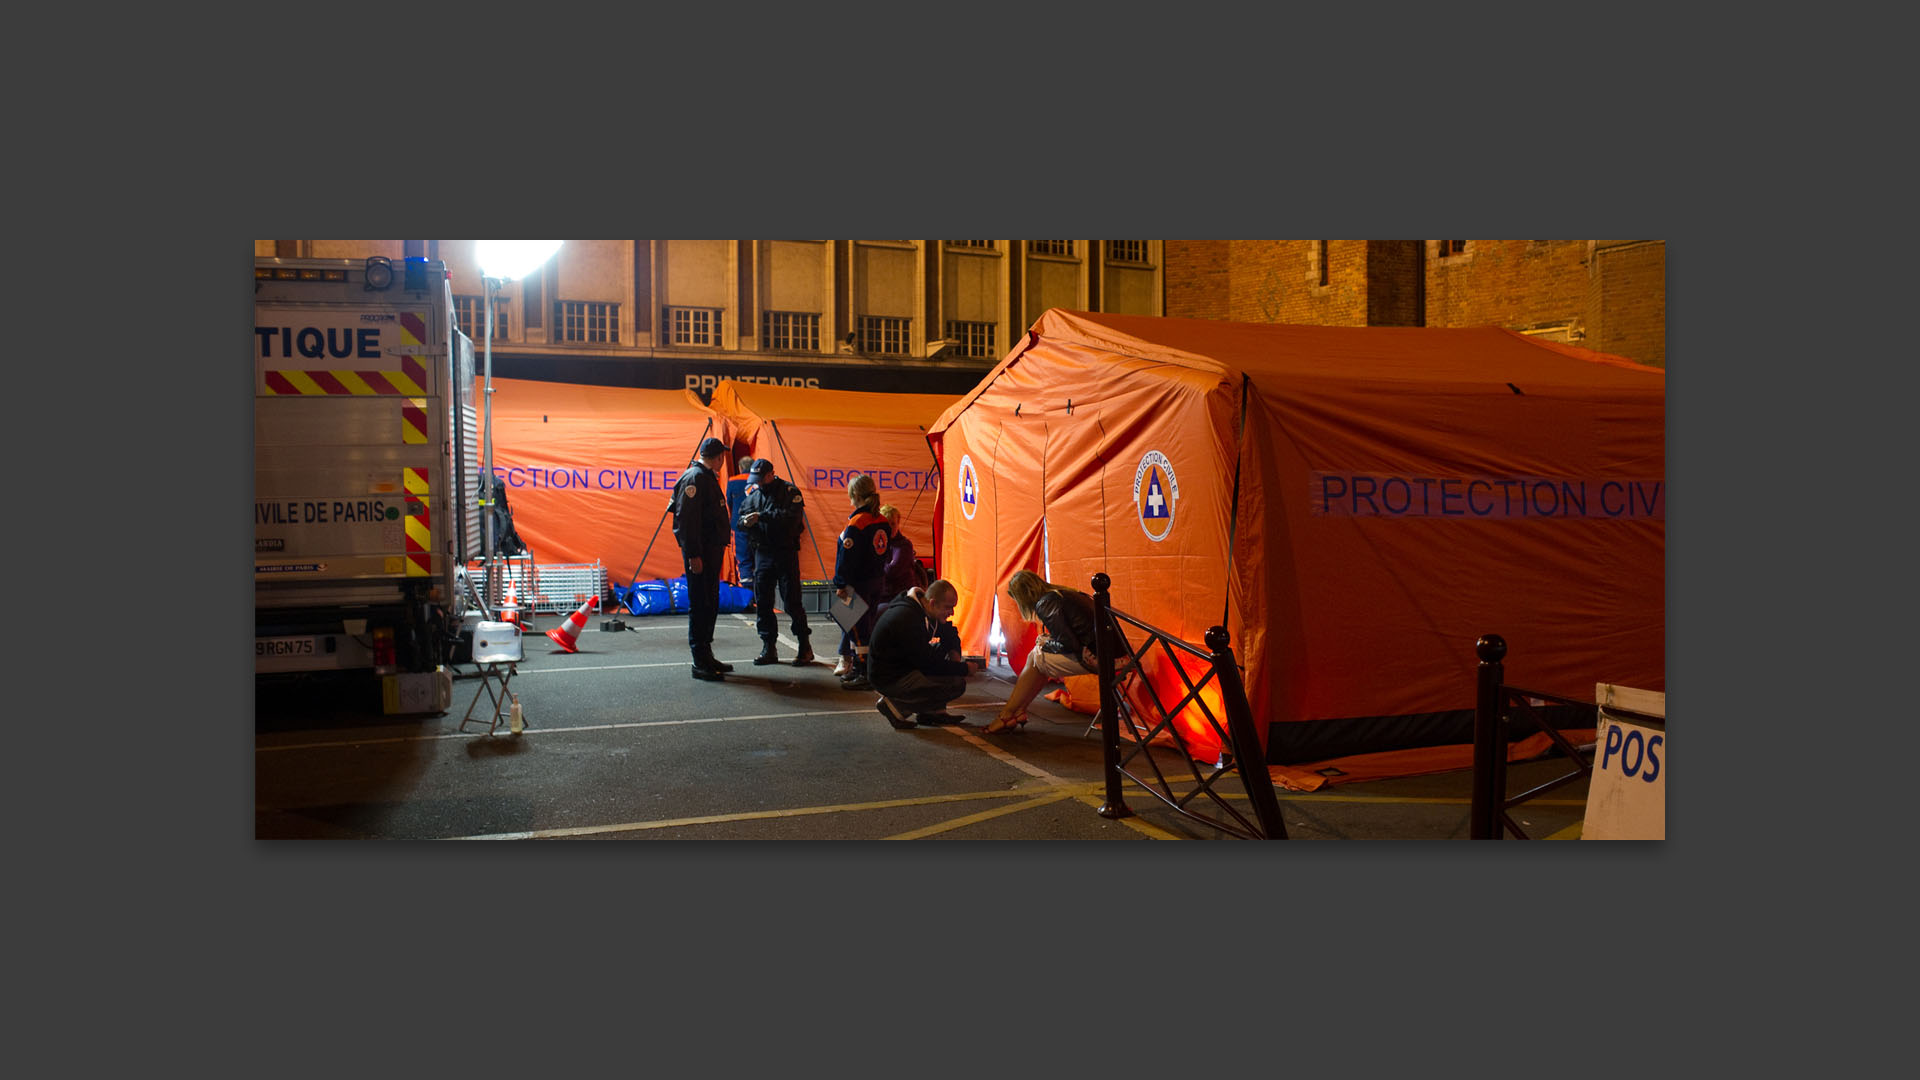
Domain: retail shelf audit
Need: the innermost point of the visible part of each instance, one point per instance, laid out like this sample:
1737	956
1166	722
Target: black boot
704	658
806	653
898	717
706	675
769	654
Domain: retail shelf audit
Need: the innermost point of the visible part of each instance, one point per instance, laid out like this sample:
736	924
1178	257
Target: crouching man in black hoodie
914	660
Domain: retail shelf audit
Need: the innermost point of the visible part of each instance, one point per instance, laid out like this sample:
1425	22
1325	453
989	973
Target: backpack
506	541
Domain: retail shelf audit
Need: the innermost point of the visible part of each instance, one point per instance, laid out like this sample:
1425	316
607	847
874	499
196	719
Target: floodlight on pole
509	259
500	261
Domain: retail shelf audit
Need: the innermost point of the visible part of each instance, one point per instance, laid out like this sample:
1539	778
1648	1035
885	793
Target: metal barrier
549	589
1241	752
1493	701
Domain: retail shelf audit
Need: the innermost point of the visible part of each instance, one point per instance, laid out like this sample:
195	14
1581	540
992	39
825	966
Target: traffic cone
568	632
510	607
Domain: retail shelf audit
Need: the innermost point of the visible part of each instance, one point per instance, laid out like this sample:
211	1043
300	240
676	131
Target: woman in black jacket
1066	641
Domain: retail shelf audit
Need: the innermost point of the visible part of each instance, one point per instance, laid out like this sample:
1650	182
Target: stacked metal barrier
546	588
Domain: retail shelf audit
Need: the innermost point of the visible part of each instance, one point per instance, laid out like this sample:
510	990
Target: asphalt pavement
620	742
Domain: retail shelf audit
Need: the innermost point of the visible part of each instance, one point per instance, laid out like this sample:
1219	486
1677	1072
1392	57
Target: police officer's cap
762	467
713	448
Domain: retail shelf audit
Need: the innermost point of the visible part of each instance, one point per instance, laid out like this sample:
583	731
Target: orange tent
588	470
820	439
1355	505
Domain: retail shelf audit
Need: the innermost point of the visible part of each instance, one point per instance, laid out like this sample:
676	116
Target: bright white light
508	259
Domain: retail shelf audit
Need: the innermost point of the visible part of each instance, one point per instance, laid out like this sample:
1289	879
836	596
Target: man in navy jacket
914	660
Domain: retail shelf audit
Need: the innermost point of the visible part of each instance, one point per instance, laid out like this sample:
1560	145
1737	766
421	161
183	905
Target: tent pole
931	473
635	580
787	464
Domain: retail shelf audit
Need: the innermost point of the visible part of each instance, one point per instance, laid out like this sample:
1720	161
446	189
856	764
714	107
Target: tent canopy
1355	505
588	470
820	439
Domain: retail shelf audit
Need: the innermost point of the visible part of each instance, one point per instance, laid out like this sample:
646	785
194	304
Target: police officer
774	515
700	524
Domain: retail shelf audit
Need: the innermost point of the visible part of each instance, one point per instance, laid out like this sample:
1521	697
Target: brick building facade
1608	295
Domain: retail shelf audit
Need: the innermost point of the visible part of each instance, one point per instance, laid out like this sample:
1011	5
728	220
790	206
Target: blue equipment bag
647	598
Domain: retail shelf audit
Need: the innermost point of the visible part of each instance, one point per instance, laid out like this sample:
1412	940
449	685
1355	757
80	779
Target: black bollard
1489	743
1103	646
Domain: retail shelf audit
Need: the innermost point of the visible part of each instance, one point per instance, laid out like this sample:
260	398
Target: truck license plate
285	646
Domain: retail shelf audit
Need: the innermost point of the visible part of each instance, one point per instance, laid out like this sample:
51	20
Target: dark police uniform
700	524
860	564
775	537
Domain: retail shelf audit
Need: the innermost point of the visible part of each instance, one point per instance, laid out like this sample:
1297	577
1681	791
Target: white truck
366	465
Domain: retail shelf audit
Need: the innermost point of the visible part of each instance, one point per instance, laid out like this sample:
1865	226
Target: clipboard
845	613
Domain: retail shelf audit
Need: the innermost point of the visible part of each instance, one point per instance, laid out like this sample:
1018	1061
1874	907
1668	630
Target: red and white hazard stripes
419	530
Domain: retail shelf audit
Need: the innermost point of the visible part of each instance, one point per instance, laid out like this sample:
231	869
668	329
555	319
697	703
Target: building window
1451	247
792	331
975	338
694	325
987	244
586	320
472	311
1127	251
1051	247
1323	264
882	334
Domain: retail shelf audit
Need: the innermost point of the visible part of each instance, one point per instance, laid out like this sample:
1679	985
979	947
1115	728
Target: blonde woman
1065	647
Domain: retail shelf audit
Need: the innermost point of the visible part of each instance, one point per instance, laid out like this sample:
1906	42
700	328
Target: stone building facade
928	316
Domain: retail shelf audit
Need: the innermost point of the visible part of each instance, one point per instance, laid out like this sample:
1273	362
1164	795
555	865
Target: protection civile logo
969	487
1155	492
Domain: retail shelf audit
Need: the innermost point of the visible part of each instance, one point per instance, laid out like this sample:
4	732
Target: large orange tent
1355	505
588	470
819	439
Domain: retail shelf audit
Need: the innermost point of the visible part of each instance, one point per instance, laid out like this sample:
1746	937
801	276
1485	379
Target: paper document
846	613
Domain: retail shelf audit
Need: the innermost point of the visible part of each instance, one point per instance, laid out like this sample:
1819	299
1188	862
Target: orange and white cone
568	632
510	607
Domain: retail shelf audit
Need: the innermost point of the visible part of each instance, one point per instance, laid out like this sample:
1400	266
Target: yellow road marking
1131	821
1001	755
984	815
1571	832
753	815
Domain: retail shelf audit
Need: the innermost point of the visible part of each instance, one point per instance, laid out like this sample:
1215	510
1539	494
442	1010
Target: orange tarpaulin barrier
588	470
1355	505
819	439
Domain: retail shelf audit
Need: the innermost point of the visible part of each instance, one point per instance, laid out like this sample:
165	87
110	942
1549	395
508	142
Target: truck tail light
385	659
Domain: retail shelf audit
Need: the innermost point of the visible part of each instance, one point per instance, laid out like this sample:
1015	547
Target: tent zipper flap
1233	515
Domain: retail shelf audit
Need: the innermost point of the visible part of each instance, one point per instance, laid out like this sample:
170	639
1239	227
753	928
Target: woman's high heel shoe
1007	722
